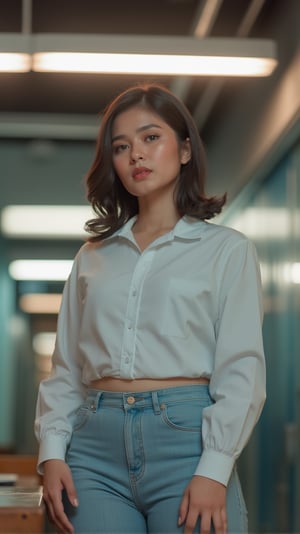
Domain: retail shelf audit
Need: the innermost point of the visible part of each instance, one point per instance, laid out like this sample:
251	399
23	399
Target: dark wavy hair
111	202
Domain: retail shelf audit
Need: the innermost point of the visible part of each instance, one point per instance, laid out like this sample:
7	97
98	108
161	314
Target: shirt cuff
52	447
215	465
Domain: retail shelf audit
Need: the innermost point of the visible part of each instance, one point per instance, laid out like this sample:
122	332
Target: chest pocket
179	308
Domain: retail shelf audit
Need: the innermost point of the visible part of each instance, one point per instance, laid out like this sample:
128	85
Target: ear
186	151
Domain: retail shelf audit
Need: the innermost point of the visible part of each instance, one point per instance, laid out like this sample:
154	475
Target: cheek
169	153
118	165
121	171
170	162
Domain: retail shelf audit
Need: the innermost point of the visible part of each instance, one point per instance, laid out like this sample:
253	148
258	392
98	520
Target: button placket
132	312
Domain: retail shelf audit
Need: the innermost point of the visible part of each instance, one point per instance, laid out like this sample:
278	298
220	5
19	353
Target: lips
140	172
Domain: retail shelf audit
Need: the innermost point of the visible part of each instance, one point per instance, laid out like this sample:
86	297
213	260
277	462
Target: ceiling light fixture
48	270
15	52
164	55
14	62
155	54
185	65
31	221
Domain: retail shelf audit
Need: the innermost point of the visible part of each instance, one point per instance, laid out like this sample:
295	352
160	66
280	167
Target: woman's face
146	153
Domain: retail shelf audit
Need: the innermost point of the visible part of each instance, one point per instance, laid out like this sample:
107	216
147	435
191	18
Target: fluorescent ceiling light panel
59	222
152	64
48	270
15	52
138	54
163	55
10	62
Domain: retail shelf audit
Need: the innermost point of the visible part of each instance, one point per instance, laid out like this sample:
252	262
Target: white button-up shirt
189	305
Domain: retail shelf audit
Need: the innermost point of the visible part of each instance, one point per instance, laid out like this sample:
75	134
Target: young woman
158	371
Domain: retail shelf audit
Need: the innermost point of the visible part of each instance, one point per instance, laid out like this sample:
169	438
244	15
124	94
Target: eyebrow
141	129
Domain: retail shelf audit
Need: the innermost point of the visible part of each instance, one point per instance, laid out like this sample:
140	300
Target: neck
155	221
156	216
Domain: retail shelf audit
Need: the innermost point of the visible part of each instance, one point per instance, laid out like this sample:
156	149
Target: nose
136	156
136	153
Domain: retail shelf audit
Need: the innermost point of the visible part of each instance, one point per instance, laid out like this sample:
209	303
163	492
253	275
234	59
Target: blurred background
251	130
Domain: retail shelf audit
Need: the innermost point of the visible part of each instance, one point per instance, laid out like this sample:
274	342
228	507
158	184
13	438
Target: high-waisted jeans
132	456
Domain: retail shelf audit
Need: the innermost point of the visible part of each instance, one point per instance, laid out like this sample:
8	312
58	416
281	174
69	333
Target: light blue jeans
132	456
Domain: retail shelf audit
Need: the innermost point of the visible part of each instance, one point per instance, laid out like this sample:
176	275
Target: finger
64	526
191	521
224	518
57	514
49	510
71	492
183	510
61	520
218	522
206	520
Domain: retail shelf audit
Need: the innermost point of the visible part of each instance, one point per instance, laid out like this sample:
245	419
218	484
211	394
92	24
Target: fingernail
179	520
75	502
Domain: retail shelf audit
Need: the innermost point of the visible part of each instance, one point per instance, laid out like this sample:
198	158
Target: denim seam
173	426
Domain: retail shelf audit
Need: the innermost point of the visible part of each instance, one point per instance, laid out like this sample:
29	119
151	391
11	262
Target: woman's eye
152	137
119	148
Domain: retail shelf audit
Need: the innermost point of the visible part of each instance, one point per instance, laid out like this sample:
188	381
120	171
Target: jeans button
130	400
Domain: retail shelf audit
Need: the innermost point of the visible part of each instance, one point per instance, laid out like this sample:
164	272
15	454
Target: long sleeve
237	384
62	393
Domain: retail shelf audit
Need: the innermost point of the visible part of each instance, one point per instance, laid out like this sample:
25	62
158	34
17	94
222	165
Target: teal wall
7	355
270	465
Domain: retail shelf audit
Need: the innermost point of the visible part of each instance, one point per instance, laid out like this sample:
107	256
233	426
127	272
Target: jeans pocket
184	415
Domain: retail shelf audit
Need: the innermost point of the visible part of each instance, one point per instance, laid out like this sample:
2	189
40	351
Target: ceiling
73	94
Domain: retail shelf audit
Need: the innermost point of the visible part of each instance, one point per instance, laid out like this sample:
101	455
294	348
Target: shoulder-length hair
111	202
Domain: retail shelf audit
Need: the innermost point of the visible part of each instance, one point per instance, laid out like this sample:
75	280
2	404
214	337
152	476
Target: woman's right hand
56	478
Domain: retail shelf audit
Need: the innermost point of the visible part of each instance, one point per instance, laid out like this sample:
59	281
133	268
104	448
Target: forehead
134	118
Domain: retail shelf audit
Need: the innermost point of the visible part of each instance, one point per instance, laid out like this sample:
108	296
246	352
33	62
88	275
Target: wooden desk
21	510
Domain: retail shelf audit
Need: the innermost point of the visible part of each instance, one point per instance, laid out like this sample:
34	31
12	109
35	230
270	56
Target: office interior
250	127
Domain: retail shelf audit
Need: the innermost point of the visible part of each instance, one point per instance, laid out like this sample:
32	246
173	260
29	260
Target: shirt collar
189	228
186	228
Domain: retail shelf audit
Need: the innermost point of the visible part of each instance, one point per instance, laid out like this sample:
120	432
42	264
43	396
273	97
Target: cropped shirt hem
51	448
215	465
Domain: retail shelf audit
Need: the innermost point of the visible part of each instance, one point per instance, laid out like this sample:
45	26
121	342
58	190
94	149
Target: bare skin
204	498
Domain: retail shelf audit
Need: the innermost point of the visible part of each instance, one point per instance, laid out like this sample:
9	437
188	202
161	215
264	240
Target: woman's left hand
204	498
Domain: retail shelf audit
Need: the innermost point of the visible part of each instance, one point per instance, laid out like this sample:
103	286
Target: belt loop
98	398
155	402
